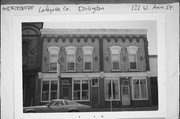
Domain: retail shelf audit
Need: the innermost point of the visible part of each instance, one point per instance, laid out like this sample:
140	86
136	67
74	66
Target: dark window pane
53	66
85	89
116	65
45	91
53	90
70	66
133	65
87	66
76	89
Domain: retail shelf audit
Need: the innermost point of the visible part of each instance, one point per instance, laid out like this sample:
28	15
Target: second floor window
70	61
87	62
71	58
53	57
88	51
132	51
132	61
53	62
115	57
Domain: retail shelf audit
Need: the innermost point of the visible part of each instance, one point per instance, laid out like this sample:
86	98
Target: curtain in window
111	89
107	89
115	89
143	89
140	89
136	89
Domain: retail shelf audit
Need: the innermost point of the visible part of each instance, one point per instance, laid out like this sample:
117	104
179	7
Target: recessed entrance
125	95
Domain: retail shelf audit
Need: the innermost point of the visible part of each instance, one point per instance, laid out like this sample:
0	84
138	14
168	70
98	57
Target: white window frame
133	50
49	80
53	50
80	79
88	50
115	50
139	78
71	50
112	78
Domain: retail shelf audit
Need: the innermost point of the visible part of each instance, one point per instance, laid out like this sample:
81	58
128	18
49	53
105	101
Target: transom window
81	89
71	58
112	90
87	51
53	57
49	90
115	57
132	51
140	89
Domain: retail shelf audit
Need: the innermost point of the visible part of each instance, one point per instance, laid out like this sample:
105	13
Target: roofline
93	31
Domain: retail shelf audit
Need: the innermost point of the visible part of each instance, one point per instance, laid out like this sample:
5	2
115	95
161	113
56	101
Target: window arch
115	57
87	56
132	51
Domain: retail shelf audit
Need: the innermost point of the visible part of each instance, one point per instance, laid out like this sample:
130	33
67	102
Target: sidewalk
154	108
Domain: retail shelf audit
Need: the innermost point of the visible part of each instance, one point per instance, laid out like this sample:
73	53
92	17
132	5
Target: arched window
87	52
115	57
132	51
53	57
71	57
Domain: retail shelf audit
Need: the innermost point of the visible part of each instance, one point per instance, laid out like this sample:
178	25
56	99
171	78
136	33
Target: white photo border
17	46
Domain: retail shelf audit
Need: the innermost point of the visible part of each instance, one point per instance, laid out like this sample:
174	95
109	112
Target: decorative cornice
93	31
92	37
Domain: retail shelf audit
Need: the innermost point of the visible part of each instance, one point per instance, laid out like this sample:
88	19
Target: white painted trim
139	78
128	92
119	63
80	78
67	70
133	50
99	74
112	78
49	80
91	62
71	50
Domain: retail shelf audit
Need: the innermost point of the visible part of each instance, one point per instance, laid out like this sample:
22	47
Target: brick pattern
93	40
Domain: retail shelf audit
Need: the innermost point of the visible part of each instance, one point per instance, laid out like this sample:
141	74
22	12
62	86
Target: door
95	92
125	95
66	92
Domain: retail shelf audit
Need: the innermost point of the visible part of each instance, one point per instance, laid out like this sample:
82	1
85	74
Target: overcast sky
149	25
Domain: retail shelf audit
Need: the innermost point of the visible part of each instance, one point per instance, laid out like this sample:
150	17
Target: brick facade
98	86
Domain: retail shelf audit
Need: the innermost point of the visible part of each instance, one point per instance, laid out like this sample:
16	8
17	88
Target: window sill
139	99
134	70
52	71
112	100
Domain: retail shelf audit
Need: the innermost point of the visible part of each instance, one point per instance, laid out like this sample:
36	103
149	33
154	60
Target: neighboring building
153	78
95	67
31	59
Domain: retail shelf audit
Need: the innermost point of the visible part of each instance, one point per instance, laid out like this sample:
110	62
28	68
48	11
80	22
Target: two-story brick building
95	67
